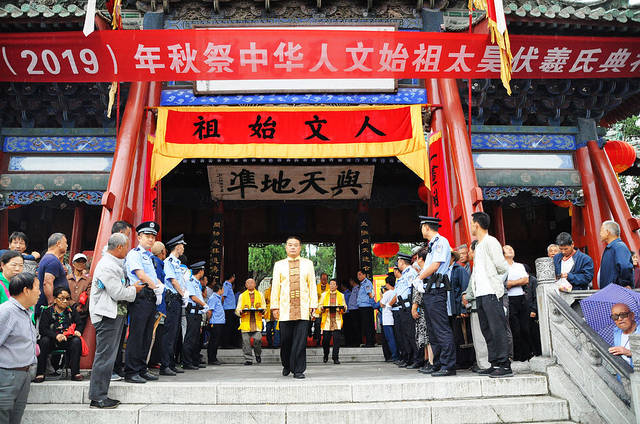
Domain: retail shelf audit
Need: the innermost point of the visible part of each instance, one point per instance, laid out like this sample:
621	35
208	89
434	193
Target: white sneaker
116	377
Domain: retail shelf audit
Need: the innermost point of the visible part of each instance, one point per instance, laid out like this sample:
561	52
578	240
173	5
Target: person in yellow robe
331	307
321	287
294	298
250	309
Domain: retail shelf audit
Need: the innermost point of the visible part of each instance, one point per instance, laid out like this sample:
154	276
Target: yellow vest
320	291
325	324
244	302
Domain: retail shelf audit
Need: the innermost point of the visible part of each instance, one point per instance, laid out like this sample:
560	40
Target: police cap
404	257
197	266
148	227
179	239
432	221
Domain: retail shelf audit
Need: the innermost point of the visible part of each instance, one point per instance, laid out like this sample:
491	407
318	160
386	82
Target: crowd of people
440	310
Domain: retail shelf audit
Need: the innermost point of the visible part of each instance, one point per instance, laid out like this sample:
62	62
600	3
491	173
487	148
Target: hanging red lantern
621	155
562	203
424	193
385	250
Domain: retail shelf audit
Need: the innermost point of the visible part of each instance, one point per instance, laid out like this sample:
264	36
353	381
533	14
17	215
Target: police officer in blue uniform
405	322
196	307
435	285
176	286
140	270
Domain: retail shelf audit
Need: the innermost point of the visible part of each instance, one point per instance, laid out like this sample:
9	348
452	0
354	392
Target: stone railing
607	382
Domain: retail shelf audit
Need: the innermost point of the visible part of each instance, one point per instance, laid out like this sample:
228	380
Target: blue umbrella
597	308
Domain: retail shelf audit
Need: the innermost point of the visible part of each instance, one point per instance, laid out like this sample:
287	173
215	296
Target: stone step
314	355
488	410
325	384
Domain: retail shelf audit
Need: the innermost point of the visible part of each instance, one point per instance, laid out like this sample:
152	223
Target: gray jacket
104	298
496	266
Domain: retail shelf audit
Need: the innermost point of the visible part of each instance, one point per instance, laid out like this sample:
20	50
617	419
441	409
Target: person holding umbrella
626	325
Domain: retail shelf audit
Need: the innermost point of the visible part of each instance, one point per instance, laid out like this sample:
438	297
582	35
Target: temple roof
42	9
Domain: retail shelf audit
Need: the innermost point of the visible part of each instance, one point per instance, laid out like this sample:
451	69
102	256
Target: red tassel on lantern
621	155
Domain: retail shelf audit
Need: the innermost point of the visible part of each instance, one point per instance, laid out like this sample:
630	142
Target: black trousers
142	313
190	351
396	333
293	345
73	348
172	330
230	335
336	335
440	334
366	325
493	324
118	365
519	323
215	337
407	337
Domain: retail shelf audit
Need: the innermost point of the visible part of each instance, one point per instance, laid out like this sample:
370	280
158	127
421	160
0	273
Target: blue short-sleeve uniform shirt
229	298
217	311
366	287
440	251
140	258
173	270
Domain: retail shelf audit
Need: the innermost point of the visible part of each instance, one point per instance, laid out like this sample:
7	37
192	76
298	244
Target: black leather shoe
167	371
135	379
189	367
413	366
427	369
487	371
403	364
149	377
104	404
476	369
248	362
258	359
325	359
443	373
298	375
216	362
336	361
286	371
201	365
176	370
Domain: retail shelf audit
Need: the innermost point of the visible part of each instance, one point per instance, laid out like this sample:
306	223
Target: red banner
440	186
207	54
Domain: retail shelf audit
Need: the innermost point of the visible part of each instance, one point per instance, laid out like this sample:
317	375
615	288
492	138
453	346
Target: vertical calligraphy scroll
215	252
364	248
440	197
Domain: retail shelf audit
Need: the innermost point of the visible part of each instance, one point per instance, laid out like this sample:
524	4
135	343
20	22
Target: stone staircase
314	355
347	393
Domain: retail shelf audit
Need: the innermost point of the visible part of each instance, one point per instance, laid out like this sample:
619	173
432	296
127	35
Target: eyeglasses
64	299
622	315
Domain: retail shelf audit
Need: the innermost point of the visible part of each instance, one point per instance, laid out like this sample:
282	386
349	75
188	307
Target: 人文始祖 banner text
231	54
288	133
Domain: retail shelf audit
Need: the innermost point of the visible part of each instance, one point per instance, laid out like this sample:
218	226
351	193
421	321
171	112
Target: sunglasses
621	315
63	299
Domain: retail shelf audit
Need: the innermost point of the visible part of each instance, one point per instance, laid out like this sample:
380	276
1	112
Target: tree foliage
628	130
262	258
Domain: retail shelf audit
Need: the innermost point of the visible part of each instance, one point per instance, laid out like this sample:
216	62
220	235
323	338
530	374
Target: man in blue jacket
571	264
616	265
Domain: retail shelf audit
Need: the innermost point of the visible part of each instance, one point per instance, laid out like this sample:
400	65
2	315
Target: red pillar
76	232
591	212
4	228
617	203
498	224
114	200
470	195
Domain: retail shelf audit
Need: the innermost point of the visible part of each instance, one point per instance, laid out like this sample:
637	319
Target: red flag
440	185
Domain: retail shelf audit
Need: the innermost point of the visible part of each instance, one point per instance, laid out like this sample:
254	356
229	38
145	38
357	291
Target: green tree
629	131
324	259
262	258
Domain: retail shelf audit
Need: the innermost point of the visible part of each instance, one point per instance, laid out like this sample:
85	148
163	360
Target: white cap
78	256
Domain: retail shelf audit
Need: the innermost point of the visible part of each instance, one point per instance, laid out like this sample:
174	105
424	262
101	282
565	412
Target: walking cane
159	316
464	334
